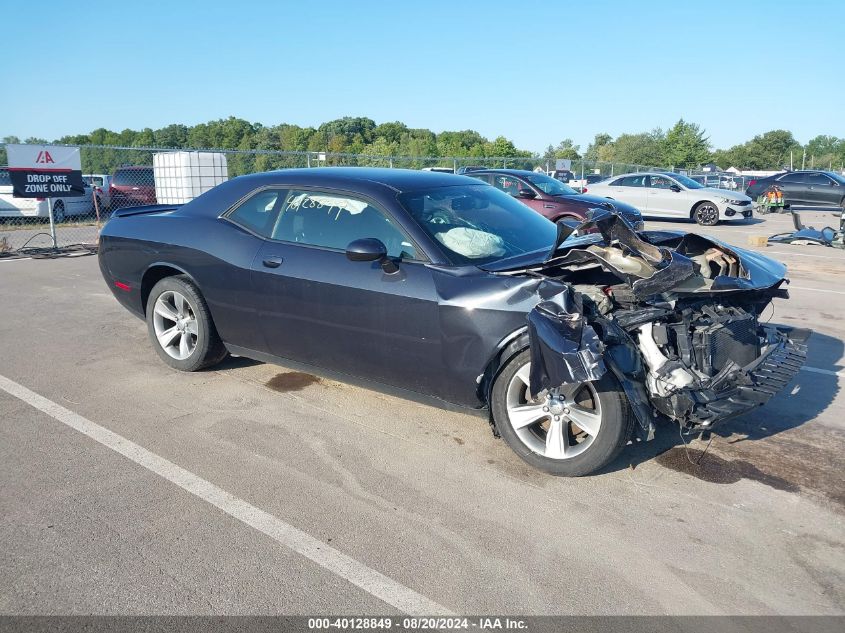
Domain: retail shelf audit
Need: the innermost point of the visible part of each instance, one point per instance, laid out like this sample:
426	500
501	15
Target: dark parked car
809	187
552	198
132	187
441	285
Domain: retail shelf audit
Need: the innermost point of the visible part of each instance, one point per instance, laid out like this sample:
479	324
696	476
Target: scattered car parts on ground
805	235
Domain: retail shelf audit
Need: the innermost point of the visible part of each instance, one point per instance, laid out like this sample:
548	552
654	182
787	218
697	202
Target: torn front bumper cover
565	348
737	390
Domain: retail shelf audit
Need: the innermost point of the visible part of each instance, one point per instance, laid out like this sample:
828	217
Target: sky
534	72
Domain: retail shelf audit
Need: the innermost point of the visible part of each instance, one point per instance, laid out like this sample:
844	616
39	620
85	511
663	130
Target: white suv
11	207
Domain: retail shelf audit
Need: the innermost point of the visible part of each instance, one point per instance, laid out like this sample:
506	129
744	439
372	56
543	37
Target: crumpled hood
653	262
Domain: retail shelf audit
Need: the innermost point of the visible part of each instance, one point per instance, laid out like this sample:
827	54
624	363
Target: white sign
563	163
44	157
45	171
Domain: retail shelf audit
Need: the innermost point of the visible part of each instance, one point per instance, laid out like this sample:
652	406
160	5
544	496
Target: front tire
180	325
576	432
706	213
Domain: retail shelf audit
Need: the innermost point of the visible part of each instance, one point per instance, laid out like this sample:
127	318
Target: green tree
567	149
686	145
645	149
765	151
824	151
174	135
600	141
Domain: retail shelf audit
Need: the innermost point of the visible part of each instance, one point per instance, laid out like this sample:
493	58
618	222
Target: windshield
478	224
136	177
689	183
550	186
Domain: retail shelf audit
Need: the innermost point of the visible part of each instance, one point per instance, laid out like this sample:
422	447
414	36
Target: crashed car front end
675	316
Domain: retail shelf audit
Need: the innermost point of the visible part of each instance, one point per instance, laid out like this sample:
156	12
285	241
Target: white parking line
827	372
376	584
14	259
835	292
768	252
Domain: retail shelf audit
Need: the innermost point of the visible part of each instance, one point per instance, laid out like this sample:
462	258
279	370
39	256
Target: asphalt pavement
130	488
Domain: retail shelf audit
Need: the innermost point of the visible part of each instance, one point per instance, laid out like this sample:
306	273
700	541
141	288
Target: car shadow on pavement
806	397
235	362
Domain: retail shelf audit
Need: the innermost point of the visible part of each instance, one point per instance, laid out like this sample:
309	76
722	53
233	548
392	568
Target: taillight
40	199
752	182
584	190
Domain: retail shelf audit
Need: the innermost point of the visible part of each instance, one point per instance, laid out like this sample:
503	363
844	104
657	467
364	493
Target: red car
551	198
132	187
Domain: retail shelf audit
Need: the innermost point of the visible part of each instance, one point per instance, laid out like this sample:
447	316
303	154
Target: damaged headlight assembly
648	328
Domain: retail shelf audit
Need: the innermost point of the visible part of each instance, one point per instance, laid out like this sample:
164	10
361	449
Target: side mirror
370	249
675	188
526	193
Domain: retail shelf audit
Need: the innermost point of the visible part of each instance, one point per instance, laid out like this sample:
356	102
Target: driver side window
508	184
333	220
661	182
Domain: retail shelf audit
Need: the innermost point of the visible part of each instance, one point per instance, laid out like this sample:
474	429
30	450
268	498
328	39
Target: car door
512	185
794	188
822	190
320	308
630	189
664	200
80	205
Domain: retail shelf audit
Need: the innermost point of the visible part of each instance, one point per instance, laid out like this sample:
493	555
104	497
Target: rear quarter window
5	180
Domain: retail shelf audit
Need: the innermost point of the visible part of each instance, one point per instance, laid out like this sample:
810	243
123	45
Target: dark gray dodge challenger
577	339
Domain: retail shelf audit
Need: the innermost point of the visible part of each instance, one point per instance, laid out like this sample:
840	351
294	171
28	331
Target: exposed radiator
717	344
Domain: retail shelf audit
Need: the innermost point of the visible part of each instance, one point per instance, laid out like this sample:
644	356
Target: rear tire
180	325
600	406
706	213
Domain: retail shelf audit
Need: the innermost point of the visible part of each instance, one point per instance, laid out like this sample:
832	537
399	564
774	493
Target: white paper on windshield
330	204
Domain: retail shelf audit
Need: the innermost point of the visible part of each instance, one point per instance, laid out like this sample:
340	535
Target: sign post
52	223
45	171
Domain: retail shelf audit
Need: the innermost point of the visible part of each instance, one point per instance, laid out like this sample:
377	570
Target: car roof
646	173
510	172
399	180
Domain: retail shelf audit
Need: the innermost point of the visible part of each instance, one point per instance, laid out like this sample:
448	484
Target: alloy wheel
562	424
175	325
707	214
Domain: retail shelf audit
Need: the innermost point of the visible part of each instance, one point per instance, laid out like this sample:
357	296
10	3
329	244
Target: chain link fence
120	177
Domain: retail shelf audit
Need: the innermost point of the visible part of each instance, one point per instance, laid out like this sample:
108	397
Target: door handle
273	262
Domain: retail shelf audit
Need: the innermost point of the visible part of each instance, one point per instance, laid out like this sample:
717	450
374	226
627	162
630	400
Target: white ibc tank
182	176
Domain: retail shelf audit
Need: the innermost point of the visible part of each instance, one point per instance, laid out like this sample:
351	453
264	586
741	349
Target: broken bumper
740	390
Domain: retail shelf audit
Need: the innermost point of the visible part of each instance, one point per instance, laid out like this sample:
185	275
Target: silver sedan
667	195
